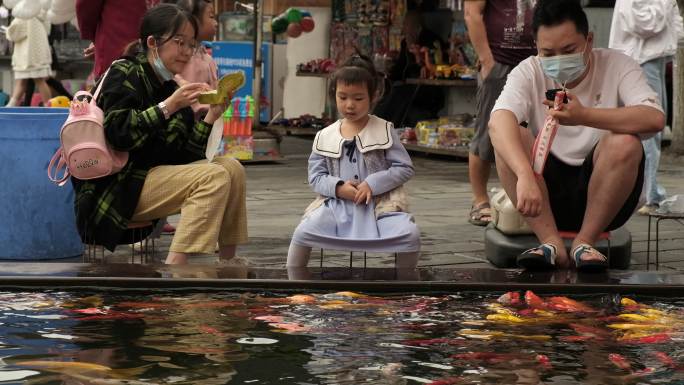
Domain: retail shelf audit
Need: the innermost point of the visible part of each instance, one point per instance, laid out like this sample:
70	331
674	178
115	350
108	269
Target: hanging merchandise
293	21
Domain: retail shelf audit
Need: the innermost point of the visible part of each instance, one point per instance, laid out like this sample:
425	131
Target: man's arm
504	131
626	120
641	113
477	32
88	16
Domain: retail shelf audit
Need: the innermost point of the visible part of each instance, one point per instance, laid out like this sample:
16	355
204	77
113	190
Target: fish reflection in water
339	338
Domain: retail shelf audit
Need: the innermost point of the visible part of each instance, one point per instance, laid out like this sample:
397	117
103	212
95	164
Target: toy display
447	132
293	21
237	129
317	66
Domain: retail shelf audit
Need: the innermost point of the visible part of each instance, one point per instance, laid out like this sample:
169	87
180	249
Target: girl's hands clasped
355	192
346	191
363	193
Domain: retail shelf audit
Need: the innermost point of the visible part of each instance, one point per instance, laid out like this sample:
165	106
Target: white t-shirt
614	80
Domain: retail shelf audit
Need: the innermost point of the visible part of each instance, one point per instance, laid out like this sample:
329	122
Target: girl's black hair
358	69
195	7
160	21
164	21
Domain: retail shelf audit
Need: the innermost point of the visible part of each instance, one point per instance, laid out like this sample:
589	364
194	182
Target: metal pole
256	81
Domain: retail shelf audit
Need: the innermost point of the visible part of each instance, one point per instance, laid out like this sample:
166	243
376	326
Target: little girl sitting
358	167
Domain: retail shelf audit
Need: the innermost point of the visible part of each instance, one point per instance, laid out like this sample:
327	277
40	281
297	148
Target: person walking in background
31	57
501	33
648	31
110	25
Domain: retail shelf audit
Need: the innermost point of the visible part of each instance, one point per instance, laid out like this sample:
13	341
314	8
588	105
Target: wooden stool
138	228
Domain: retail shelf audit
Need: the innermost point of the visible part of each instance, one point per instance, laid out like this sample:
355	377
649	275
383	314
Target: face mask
160	68
564	68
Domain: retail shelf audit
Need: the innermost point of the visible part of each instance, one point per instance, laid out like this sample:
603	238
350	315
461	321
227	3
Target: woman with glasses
148	114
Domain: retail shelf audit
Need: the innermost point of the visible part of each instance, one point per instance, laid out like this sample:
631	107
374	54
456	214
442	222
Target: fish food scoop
227	85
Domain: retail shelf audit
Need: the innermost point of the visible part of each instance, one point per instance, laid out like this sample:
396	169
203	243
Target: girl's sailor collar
377	135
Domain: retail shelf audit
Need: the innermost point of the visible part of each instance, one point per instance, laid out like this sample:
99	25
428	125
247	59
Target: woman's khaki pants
210	198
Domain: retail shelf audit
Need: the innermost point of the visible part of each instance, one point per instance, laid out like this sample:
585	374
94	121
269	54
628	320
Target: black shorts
568	186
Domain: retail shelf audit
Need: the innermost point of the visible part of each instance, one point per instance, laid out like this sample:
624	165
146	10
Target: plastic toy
59	101
293	21
227	85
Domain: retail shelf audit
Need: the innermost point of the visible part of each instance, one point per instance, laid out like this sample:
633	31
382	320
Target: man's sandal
595	264
532	259
480	215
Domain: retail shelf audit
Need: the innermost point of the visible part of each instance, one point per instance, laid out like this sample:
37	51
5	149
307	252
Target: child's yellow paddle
227	85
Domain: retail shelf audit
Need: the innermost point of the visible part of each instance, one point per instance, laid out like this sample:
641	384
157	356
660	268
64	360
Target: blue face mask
160	68
564	68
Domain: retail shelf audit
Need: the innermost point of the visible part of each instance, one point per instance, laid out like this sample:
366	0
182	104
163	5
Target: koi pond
258	337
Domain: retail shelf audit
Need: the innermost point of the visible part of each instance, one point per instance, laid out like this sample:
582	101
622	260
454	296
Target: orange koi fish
301	299
665	359
569	305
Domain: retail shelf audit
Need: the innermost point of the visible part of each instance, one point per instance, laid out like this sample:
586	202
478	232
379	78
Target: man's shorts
488	91
568	187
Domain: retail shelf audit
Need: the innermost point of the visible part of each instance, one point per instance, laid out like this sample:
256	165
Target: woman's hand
216	110
346	191
184	96
363	193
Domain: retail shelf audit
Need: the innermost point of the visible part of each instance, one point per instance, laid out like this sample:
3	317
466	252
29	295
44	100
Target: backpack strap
99	85
61	165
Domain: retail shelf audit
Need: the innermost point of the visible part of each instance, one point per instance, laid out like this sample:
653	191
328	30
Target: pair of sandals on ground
543	257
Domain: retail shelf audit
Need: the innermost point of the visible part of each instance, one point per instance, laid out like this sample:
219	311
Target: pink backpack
84	152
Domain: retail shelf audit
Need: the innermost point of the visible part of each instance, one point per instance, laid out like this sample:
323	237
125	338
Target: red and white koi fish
620	361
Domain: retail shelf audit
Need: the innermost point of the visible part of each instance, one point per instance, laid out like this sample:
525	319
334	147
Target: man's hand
89	52
363	193
486	68
346	191
529	196
570	114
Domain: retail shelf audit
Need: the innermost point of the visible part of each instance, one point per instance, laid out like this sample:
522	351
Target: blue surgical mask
160	68
564	68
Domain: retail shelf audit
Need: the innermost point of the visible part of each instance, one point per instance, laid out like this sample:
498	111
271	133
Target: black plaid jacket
134	123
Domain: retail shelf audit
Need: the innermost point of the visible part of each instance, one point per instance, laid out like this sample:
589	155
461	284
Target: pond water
167	337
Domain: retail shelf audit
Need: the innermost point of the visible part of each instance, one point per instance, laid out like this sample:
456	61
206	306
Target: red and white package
542	144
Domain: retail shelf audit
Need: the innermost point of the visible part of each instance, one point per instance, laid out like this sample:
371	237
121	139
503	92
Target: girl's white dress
31	57
340	224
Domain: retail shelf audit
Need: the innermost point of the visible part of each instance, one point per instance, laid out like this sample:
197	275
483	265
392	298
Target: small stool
351	257
138	231
503	249
677	217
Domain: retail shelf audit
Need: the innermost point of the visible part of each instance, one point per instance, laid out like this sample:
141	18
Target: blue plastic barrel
38	216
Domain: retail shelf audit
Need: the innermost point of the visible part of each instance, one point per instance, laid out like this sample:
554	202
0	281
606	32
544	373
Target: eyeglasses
184	45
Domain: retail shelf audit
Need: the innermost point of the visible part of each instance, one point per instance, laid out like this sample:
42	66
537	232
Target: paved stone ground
277	193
